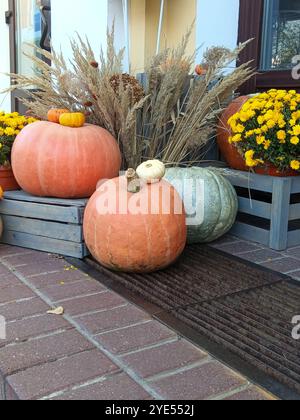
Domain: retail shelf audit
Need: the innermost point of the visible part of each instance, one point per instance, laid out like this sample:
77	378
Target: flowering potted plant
264	133
10	127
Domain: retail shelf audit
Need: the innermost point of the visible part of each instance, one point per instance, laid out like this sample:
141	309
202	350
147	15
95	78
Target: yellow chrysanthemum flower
237	138
239	129
260	139
281	135
295	140
296	130
281	123
295	164
260	120
271	123
249	134
9	131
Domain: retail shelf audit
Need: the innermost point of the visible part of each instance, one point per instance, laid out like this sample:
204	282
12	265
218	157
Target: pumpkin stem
133	181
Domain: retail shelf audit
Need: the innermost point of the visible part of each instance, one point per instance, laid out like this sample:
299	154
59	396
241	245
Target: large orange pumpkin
123	238
55	161
229	151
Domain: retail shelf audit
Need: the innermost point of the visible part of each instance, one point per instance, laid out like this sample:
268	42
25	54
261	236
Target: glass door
30	25
32	28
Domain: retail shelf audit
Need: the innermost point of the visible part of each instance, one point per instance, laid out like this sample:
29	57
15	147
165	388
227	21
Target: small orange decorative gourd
72	119
135	226
50	160
54	114
200	70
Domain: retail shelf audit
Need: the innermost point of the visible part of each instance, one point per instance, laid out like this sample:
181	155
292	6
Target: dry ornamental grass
172	118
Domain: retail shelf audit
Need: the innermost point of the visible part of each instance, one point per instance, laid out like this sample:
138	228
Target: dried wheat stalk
162	124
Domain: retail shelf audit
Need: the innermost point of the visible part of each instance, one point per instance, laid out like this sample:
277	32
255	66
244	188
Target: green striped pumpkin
217	214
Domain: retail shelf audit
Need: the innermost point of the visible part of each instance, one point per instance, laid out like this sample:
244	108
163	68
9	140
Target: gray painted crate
44	224
269	209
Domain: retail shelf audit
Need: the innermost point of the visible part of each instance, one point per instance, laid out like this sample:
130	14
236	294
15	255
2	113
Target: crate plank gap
44	224
269	209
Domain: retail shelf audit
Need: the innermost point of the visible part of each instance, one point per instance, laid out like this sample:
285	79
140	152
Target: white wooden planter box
269	209
45	224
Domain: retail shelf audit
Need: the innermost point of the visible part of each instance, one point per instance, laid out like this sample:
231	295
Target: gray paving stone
240	247
261	255
285	265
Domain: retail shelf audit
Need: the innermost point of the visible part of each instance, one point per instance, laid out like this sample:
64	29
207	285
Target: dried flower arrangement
171	118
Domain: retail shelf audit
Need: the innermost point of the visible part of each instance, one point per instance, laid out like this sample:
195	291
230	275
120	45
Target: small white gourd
151	171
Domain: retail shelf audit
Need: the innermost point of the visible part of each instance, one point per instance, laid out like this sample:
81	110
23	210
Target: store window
275	27
281	34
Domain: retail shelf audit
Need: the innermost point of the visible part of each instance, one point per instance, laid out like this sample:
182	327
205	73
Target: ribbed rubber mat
257	326
200	275
245	308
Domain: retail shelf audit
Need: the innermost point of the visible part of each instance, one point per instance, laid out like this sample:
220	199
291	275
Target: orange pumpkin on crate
134	226
51	160
230	153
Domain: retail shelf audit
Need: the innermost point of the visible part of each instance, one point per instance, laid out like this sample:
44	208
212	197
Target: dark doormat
239	312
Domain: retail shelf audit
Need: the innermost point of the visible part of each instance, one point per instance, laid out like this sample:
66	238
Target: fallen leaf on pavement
56	311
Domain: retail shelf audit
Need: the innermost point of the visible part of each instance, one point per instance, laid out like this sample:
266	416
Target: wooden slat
293	238
24	240
41	211
295	185
280	213
66	232
255	208
23	196
251	233
295	213
251	181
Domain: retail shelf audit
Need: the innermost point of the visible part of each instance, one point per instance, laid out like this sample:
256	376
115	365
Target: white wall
88	18
4	57
217	24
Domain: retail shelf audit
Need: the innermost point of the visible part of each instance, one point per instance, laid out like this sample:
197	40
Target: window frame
251	19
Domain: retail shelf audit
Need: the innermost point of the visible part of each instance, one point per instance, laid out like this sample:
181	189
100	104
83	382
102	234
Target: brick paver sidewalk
103	348
285	262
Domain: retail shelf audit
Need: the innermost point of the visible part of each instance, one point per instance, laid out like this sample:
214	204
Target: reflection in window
281	34
29	28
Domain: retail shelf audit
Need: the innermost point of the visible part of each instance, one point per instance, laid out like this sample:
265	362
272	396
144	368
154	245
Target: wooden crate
269	209
44	224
